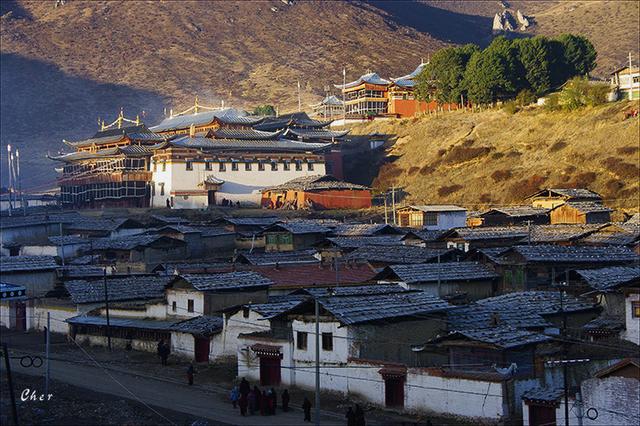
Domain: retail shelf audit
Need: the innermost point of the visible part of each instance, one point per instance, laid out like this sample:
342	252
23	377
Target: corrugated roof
610	278
10	264
119	289
227	281
432	272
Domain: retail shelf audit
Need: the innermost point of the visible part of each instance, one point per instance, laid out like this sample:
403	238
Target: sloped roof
118	289
279	258
432	272
226	281
299	227
144	324
487	233
543	394
249	134
135	133
10	264
614	234
275	145
364	229
586	206
316	183
329	100
354	290
567	193
371	78
561	232
375	240
252	221
315	133
401	254
575	254
130	242
199	119
501	337
409	79
296	119
604	279
273	309
517	211
202	325
435	208
306	275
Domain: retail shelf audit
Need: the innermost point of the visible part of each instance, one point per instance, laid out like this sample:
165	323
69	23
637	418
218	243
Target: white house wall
237	324
449	220
340	352
240	185
181	297
632	332
617	400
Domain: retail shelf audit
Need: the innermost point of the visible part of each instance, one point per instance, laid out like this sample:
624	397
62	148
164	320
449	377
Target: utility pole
10	176
630	79
386	217
344	105
393	204
529	232
22	203
7	364
62	246
106	304
299	100
565	369
439	290
47	371
317	309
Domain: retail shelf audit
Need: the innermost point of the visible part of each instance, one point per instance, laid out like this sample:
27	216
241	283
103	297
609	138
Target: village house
247	229
294	235
469	280
66	247
627	82
380	256
432	217
328	108
518	215
364	230
30	201
580	212
16	231
622	234
37	274
274	258
332	247
553	197
466	239
138	252
632	315
561	234
317	193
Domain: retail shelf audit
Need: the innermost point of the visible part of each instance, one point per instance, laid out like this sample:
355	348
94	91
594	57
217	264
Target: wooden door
269	371
201	349
542	415
394	392
21	316
211	198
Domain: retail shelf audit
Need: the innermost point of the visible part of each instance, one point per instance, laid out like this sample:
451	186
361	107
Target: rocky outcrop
522	20
503	22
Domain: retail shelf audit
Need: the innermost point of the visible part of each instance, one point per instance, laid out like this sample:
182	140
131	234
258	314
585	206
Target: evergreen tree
267	110
578	53
535	57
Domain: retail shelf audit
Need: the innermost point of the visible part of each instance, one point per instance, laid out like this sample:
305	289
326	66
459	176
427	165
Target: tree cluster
505	68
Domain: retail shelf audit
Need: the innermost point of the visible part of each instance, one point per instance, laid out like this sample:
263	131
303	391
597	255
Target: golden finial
137	119
120	117
102	125
195	106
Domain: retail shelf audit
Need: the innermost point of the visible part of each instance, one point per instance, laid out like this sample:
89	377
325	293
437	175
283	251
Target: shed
517	215
553	197
583	212
294	235
432	217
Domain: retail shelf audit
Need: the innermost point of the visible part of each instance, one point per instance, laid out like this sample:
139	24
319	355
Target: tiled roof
575	254
91	224
634	219
144	324
279	258
568	193
425	234
136	133
198	119
411	76
561	232
27	263
436	208
371	78
202	325
432	272
299	227
316	183
543	394
517	211
131	242
488	233
296	119
296	276
329	100
493	253
396	254
610	278
364	229
80	271
614	234
170	219
605	322
119	289
354	290
67	239
315	133
249	134
503	337
360	309
587	206
227	281
194	267
355	242
525	309
277	145
273	309
252	221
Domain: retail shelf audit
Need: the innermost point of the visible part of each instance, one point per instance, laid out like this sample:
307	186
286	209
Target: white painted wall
340	352
617	400
632	332
240	185
236	324
449	220
37	250
155	311
183	344
37	318
181	297
573	414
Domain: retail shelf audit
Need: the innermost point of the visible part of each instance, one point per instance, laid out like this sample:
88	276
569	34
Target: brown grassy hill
492	157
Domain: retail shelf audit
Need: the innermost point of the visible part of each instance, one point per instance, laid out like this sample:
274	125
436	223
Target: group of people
254	400
355	417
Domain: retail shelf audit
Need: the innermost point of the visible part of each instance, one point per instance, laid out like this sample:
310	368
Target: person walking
252	398
244	402
258	393
190	372
274	397
359	414
245	387
351	417
270	407
263	404
163	351
285	400
234	396
306	406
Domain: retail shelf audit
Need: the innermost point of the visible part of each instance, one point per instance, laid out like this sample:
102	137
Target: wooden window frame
190	305
327	342
302	340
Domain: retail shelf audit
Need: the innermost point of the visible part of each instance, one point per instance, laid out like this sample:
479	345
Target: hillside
492	157
63	68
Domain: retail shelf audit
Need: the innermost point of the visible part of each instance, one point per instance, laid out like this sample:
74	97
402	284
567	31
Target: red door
269	371
21	316
202	349
542	415
394	392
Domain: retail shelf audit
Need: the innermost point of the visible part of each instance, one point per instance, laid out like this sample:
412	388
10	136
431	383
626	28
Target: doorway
211	197
394	392
542	415
21	316
201	349
269	371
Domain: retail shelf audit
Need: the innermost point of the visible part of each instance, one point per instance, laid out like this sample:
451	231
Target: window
310	167
174	306
286	166
274	166
164	166
155	166
190	305
430	218
298	165
247	166
261	166
234	166
161	188
245	312
189	165
207	166
635	309
327	341
301	340
153	189
222	167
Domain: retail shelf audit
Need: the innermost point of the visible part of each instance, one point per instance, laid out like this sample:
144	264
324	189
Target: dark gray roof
250	134
315	133
360	309
517	211
198	119
299	227
116	322
488	233
78	271
543	394
493	253
10	264
605	322
425	234
316	183
432	272
226	281
275	308
364	229
568	193
119	289
502	337
202	325
355	242
131	242
575	254
252	221
267	145
354	290
170	219
525	309
436	208
67	240
402	254
561	232
91	224
615	234
281	258
587	206
135	133
604	279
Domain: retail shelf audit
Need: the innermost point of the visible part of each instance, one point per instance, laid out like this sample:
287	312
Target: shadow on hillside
442	24
15	8
41	105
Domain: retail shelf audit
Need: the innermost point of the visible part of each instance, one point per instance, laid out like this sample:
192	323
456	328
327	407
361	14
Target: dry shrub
461	154
447	190
583	180
427	170
441	152
527	186
570	169
628	150
413	170
485	198
613	187
500	175
557	146
497	155
513	154
468	142
620	168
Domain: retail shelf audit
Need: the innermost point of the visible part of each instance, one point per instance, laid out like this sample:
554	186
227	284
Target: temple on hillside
366	96
110	169
330	107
